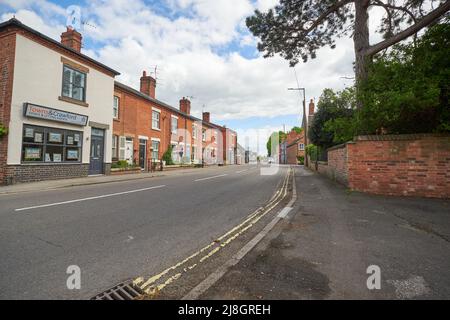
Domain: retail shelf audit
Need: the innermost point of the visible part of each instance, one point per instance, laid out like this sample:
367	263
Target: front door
129	151
142	153
97	150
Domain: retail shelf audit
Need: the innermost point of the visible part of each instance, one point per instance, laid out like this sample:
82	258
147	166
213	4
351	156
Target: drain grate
123	291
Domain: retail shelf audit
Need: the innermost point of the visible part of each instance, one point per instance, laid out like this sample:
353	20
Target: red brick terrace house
144	127
294	143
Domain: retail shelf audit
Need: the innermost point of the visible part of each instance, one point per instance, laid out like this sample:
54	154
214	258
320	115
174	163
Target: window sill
156	129
116	119
36	163
74	101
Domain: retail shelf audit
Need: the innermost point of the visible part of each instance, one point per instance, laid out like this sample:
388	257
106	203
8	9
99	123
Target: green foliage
311	151
332	123
301	160
3	130
281	137
407	89
406	92
167	156
120	164
297	129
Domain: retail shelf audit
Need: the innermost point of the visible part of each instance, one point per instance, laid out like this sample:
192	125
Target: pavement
324	247
118	230
156	228
96	179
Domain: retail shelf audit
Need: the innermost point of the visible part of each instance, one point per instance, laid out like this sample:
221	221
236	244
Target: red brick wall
409	165
413	165
293	140
337	161
7	53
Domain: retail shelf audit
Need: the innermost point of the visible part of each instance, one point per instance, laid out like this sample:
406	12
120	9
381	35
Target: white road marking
210	280
218	176
89	198
283	213
241	171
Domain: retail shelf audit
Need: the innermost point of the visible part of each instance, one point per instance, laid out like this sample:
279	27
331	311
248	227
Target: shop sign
40	112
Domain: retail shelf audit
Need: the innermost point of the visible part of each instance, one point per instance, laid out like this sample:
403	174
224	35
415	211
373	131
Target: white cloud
131	36
31	19
264	5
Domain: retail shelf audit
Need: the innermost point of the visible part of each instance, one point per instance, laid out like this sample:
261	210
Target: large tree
296	29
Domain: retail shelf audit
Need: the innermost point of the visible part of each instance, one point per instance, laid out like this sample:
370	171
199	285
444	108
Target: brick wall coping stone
392	137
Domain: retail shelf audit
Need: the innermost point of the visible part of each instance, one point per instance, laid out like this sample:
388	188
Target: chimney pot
72	39
311	107
148	85
185	105
206	116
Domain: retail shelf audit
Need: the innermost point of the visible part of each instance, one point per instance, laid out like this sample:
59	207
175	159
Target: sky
203	50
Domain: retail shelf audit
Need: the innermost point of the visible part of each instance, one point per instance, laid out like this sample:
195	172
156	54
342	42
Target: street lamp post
304	121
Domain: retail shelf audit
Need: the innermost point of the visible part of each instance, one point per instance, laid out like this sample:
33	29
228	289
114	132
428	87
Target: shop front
53	143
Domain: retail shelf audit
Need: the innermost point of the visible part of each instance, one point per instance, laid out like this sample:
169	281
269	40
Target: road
118	231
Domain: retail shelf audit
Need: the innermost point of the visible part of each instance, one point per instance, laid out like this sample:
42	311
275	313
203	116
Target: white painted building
60	107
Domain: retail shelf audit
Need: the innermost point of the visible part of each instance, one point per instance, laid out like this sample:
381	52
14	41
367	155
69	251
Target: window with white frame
156	116
174	124
155	149
301	146
74	84
115	150
194	131
116	107
203	134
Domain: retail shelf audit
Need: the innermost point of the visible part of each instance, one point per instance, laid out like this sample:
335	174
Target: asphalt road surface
118	231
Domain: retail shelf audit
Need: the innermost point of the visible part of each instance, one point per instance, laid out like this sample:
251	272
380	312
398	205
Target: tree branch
425	21
330	10
387	6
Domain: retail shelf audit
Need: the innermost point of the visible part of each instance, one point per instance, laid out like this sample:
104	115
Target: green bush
407	89
3	131
301	160
311	151
167	156
121	164
406	92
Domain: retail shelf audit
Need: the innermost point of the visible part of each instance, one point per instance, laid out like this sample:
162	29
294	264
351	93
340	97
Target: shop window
74	84
41	144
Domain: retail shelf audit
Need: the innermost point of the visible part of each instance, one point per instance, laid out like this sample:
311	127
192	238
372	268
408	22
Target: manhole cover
123	291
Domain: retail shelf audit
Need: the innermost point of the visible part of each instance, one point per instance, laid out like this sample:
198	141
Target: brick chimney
206	116
311	112
185	106
148	85
72	39
311	107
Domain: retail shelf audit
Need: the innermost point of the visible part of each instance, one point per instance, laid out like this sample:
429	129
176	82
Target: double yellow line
156	283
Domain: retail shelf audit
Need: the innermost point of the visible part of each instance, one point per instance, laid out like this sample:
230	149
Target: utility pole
304	124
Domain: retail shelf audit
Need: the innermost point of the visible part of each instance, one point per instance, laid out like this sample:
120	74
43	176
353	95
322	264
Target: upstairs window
203	135
301	146
116	107
74	84
156	120
194	131
174	125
